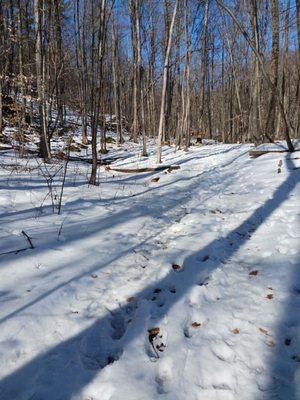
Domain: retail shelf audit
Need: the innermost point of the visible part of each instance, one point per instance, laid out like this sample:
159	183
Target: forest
174	70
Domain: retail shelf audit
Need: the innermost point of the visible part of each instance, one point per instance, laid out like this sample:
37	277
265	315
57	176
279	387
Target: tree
164	85
39	9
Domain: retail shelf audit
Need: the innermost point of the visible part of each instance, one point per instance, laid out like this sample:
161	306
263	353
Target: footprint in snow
192	327
95	353
158	297
157	343
223	352
121	319
164	376
205	281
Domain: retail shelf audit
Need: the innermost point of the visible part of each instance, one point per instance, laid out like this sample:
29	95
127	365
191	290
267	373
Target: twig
139	170
29	239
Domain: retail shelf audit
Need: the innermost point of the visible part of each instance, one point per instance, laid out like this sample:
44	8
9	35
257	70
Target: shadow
77	204
40	211
95	268
65	369
21	184
118	218
284	365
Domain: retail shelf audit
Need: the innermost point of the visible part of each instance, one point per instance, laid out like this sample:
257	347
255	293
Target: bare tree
39	16
164	86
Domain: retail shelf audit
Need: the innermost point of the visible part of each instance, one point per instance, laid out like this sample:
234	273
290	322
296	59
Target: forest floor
209	255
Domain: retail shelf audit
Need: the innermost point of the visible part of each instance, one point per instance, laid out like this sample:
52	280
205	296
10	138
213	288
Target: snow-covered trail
91	297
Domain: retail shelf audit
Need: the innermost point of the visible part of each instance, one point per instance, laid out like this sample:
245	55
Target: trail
108	278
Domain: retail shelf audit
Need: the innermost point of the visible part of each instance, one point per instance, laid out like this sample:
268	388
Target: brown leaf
269	296
236	331
156	179
253	273
130	299
270	343
216	211
264	331
196	324
176	267
154	331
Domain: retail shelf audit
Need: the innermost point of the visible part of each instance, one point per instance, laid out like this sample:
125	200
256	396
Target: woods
175	70
149	199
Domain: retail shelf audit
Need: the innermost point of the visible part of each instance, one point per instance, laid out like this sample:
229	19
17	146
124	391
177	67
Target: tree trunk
116	82
164	87
98	90
44	150
274	62
264	72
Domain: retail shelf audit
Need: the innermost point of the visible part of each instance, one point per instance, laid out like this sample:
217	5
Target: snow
77	309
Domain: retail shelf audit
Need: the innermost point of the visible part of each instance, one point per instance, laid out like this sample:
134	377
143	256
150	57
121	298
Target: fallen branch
28	239
104	161
139	170
4	148
258	153
16	251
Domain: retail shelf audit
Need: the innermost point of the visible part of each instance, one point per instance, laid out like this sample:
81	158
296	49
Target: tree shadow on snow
103	224
284	364
64	370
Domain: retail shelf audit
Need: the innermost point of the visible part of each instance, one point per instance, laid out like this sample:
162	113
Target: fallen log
100	161
4	148
258	153
146	169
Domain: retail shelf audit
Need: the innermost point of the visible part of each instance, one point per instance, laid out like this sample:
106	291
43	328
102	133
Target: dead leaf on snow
264	331
153	332
176	267
270	343
130	299
196	324
270	296
253	273
156	179
236	331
